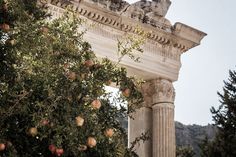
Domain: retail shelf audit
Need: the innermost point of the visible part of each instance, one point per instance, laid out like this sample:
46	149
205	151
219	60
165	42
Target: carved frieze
150	12
134	12
113	5
157	7
158	91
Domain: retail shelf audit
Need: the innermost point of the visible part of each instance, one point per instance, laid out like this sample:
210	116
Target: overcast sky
204	67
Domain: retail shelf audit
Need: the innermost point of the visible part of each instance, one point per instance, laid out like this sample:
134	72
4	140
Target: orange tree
52	96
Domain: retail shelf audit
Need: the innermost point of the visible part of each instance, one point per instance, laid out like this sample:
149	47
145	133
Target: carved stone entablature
164	45
162	33
158	91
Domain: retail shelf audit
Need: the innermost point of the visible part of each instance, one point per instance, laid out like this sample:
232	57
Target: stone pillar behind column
141	123
159	94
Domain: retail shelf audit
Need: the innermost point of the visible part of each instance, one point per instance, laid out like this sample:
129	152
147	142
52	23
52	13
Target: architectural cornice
180	35
164	45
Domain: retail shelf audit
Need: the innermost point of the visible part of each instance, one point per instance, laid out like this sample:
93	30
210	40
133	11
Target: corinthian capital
158	91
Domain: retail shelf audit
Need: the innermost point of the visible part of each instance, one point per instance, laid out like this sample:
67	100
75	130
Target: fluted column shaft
163	133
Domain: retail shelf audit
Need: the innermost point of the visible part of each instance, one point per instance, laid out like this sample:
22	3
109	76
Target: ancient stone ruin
159	64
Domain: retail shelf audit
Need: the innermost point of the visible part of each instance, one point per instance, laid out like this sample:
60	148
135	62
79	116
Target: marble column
159	95
163	130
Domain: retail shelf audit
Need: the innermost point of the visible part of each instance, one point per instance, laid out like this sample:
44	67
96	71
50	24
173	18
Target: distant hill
188	135
192	135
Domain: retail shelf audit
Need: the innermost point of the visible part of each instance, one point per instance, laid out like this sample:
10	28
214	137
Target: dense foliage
184	151
52	96
224	144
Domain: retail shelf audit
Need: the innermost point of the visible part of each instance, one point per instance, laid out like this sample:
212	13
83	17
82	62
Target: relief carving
165	90
157	7
113	5
134	12
158	91
150	12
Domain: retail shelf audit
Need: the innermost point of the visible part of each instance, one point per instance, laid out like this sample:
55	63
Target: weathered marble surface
158	7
